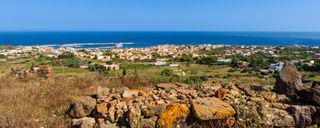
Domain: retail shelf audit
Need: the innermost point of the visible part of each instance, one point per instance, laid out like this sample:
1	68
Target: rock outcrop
289	81
180	105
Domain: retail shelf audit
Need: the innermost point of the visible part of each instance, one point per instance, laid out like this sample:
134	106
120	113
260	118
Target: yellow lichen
172	114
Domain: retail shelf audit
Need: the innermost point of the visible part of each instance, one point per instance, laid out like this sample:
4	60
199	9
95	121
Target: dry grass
36	102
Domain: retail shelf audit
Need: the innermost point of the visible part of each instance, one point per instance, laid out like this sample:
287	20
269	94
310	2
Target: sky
159	15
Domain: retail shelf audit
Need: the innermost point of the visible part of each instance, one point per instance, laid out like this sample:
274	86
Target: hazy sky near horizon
159	15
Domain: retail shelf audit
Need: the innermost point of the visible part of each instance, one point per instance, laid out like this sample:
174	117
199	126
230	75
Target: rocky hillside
169	105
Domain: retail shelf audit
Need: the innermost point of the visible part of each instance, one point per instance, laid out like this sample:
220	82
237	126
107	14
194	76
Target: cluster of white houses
142	54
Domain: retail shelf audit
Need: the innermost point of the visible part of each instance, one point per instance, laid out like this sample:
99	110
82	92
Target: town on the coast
165	86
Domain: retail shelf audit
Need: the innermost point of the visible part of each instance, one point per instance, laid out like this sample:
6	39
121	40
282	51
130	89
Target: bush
193	80
72	62
167	72
2	56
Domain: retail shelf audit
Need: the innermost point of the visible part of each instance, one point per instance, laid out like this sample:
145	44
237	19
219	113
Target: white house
276	67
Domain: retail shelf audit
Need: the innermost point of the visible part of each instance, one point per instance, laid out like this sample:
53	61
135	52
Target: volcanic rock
289	81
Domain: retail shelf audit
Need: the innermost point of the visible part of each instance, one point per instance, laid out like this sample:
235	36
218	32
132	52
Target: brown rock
247	89
166	86
129	94
310	95
102	108
276	117
302	115
221	93
269	96
149	123
211	108
85	122
81	106
289	81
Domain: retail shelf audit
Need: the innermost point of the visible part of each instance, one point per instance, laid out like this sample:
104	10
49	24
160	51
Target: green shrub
167	72
2	56
193	80
72	62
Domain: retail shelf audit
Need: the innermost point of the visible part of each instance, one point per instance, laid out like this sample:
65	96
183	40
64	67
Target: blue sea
145	39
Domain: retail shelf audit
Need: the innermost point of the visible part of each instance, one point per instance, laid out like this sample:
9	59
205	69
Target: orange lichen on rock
173	114
221	93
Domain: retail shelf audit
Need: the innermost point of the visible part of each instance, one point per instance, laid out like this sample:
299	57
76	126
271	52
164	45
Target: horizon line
151	31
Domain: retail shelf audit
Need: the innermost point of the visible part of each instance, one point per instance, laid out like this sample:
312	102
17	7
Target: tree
66	55
258	60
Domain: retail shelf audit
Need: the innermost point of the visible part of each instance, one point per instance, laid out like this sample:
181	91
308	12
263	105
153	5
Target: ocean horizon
153	38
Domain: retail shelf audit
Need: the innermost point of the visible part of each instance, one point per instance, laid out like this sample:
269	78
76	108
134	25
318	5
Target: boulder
85	122
289	81
276	117
310	95
174	115
211	108
81	106
302	115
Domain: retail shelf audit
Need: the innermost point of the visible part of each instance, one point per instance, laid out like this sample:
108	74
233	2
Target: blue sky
159	15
